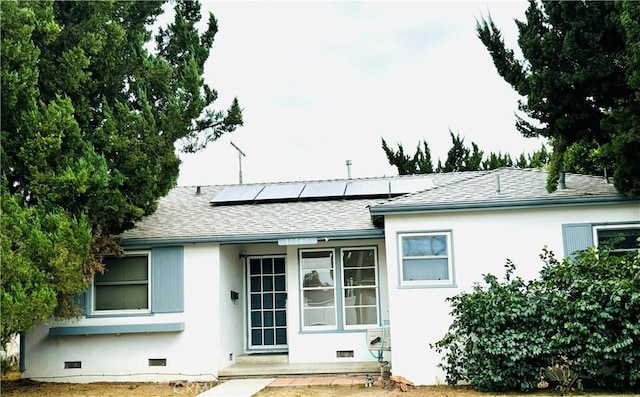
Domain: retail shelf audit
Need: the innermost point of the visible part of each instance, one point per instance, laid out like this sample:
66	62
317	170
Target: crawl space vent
72	364
157	362
344	353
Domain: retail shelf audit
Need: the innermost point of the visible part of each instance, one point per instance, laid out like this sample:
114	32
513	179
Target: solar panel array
325	190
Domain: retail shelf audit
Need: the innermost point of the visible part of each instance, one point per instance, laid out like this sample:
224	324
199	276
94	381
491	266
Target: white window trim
125	312
450	282
376	286
335	298
597	228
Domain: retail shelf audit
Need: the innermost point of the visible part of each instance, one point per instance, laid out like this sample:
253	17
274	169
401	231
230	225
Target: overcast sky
323	82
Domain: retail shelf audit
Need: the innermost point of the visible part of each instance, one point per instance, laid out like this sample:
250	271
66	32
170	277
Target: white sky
323	82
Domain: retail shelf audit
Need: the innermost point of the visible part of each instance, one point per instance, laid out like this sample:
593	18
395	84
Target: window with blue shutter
576	237
140	282
579	236
167	280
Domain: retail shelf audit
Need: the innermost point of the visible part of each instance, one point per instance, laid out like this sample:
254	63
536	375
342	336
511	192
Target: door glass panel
267	308
281	336
267	300
256	337
255	301
281	301
256	319
268	336
281	318
278	265
268	319
255	284
267	283
267	266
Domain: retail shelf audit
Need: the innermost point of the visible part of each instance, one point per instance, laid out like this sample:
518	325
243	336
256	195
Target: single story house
313	270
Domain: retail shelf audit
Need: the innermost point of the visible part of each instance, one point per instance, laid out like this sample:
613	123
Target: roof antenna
240	155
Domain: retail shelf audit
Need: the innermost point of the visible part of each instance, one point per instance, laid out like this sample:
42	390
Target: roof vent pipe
497	183
561	182
197	190
349	169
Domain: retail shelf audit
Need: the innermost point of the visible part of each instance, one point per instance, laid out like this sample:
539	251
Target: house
313	270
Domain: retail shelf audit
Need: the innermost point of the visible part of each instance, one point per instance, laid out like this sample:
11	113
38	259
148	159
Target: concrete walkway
248	387
237	388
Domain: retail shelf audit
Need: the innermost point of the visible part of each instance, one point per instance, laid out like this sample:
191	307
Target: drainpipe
23	353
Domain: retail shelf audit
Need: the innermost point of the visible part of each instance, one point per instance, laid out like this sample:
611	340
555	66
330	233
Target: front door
267	303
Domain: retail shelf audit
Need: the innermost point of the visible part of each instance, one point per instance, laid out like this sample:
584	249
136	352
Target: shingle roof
183	214
503	187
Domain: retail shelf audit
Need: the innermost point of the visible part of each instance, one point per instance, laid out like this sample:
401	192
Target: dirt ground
27	388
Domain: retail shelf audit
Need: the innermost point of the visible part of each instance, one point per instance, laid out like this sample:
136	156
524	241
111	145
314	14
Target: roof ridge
368	178
471	175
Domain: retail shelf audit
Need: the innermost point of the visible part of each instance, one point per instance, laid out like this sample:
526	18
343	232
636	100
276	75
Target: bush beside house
583	312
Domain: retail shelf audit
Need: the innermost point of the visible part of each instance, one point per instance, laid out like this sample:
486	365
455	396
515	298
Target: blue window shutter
576	237
84	301
167	280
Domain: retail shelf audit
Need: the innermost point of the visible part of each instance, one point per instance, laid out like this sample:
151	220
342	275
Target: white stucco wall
191	354
231	313
321	346
482	241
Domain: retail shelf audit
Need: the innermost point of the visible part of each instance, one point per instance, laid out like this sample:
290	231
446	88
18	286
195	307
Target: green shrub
585	310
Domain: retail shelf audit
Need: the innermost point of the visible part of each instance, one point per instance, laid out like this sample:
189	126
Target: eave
378	211
253	238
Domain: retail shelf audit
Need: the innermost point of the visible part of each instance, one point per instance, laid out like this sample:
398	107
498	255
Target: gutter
253	238
489	205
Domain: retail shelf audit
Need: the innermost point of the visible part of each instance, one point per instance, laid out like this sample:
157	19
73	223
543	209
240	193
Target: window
339	288
318	288
124	285
360	287
621	239
425	259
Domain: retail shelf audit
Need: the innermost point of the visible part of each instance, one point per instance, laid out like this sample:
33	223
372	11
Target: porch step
262	358
244	370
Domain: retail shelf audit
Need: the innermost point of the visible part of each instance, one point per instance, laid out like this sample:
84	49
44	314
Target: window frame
449	282
303	306
338	290
344	288
116	312
621	226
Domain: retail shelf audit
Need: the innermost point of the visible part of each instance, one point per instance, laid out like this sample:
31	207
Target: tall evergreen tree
575	77
90	121
460	157
420	163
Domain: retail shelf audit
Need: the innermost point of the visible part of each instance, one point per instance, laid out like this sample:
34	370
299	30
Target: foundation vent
157	362
344	353
72	364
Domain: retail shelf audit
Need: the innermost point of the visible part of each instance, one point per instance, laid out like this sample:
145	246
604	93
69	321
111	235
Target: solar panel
367	188
324	189
237	193
280	191
410	185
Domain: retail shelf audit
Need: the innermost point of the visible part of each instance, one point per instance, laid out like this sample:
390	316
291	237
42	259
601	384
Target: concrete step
262	358
276	370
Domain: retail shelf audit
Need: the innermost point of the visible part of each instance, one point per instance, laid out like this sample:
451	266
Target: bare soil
28	388
420	391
